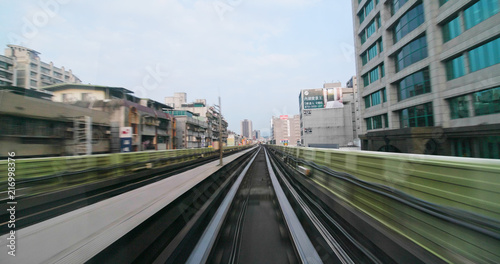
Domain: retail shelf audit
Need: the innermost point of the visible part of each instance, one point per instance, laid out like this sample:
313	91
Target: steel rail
201	252
305	249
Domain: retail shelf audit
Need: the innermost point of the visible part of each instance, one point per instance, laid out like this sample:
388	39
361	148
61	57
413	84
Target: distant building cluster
327	119
46	111
197	123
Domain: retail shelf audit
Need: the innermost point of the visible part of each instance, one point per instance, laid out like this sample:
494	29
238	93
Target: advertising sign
313	99
125	139
333	98
125	144
284	117
323	98
125	132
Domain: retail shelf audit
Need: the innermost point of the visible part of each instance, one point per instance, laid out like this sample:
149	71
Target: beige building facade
32	73
286	130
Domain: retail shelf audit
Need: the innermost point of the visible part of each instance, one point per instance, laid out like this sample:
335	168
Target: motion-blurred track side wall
463	186
40	175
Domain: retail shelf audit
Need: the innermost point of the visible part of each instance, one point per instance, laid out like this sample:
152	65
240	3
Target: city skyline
193	47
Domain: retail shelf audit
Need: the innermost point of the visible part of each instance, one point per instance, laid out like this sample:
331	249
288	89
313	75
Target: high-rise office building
428	76
32	73
246	128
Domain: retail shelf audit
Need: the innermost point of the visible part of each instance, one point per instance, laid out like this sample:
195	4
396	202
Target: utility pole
220	132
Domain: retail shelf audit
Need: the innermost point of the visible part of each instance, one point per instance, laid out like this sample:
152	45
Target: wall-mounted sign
125	132
323	98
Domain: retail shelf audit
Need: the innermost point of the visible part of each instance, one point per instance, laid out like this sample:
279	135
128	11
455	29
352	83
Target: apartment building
286	130
7	72
428	76
32	73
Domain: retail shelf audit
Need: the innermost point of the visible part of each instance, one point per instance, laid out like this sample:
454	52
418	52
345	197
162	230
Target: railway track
249	213
257	208
38	208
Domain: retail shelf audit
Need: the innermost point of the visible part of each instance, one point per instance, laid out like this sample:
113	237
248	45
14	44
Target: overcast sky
256	54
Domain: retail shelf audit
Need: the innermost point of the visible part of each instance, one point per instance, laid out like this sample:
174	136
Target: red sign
125	132
284	117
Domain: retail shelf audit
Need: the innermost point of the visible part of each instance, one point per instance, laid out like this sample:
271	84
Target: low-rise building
209	114
32	125
151	128
191	129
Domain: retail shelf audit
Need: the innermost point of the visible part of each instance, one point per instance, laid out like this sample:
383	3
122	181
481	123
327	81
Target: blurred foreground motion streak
267	203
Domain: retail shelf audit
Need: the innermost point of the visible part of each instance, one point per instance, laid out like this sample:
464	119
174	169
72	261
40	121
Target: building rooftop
24	48
27	92
63	86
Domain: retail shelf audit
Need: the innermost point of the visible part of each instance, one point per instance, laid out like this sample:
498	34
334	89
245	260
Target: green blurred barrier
464	186
75	170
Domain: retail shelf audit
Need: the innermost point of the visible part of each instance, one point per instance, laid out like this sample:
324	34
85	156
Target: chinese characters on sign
323	98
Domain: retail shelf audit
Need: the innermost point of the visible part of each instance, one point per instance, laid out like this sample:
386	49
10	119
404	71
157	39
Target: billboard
322	98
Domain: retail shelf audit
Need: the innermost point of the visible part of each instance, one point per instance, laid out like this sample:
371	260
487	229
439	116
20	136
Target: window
371	52
364	58
415	84
479	147
489	147
375	98
485	55
369	30
480	11
459	107
368	102
4	65
487	102
368	124
396	5
380	46
376	122
411	53
408	22
451	29
369	6
373	75
417	116
366	80
455	68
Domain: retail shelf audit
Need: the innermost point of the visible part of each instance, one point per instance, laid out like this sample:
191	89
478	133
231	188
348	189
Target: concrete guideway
255	223
77	236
